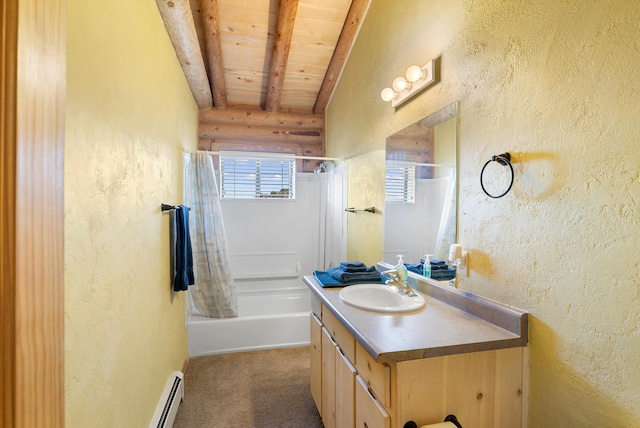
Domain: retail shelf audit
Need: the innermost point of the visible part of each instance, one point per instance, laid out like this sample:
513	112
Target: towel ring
503	159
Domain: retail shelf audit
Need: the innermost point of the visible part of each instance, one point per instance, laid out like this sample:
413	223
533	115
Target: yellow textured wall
557	84
129	115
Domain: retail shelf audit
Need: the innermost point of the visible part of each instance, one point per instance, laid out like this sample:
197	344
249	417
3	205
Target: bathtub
266	321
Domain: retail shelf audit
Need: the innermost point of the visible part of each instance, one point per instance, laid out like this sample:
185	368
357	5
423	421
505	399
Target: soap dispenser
426	270
402	269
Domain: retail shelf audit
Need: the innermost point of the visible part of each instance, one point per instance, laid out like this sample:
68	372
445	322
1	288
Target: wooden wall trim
250	129
8	57
32	279
261	134
256	117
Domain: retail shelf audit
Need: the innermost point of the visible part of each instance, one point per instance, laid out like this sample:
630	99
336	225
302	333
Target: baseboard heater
168	406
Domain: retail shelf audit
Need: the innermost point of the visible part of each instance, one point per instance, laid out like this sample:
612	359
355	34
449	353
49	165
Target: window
400	183
257	175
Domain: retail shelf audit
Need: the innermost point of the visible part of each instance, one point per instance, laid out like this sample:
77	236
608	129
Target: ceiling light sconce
403	88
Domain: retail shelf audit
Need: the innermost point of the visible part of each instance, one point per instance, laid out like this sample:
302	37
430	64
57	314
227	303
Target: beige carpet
262	389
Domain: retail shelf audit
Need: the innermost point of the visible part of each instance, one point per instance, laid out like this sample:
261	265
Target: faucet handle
394	274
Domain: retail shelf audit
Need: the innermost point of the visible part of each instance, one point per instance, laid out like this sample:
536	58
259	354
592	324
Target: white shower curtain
213	294
335	233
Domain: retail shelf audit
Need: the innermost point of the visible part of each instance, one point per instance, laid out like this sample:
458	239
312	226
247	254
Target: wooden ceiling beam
352	23
178	20
255	117
235	145
280	55
260	134
209	14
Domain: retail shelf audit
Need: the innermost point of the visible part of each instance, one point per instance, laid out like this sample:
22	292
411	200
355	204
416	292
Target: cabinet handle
365	425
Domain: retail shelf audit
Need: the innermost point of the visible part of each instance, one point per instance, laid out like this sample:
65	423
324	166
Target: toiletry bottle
426	271
402	269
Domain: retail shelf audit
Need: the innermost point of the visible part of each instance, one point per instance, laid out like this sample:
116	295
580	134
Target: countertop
451	322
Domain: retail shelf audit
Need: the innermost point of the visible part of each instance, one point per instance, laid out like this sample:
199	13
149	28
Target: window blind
253	176
400	184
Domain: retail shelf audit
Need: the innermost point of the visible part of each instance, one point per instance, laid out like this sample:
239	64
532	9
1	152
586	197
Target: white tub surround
266	321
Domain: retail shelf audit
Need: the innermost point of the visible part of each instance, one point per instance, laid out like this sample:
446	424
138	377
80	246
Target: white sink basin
380	298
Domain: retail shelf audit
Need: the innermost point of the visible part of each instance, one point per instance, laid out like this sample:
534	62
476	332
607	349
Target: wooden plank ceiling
262	71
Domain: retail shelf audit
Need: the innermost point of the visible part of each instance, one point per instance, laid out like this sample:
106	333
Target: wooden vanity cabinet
484	389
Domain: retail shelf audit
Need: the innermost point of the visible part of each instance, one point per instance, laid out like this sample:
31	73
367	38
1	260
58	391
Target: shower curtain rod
270	154
442	165
295	157
405	163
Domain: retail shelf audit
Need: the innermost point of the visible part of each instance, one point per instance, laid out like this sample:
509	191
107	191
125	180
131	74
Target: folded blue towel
442	274
435	262
370	275
327	280
353	266
354	269
415	267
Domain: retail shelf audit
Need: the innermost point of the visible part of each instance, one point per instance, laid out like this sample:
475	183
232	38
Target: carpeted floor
263	389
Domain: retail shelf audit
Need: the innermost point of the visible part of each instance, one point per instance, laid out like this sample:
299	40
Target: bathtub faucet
398	282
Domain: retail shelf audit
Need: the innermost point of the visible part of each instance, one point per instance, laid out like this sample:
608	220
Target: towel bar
369	210
165	207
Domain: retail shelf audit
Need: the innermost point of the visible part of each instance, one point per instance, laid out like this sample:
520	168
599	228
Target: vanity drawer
376	376
344	339
369	413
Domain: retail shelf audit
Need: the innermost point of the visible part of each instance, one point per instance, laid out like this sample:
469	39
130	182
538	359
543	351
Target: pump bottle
426	270
402	269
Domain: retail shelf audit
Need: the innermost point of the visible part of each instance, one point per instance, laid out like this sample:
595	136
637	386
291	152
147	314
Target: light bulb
400	84
387	94
415	73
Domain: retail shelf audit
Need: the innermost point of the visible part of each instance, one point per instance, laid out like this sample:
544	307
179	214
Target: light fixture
415	73
400	84
388	94
417	78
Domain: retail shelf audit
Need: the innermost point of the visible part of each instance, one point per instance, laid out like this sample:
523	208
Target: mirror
421	160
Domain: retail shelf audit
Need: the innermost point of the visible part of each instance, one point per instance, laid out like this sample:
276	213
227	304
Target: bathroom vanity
460	354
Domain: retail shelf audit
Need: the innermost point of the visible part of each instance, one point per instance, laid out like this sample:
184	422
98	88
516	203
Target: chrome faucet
397	281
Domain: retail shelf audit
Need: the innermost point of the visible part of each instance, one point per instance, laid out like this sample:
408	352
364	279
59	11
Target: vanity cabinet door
345	391
340	334
369	413
315	338
328	405
376	376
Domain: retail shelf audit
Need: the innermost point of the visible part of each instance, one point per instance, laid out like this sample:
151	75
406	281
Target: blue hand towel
184	255
415	267
327	280
370	275
356	266
443	274
436	264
